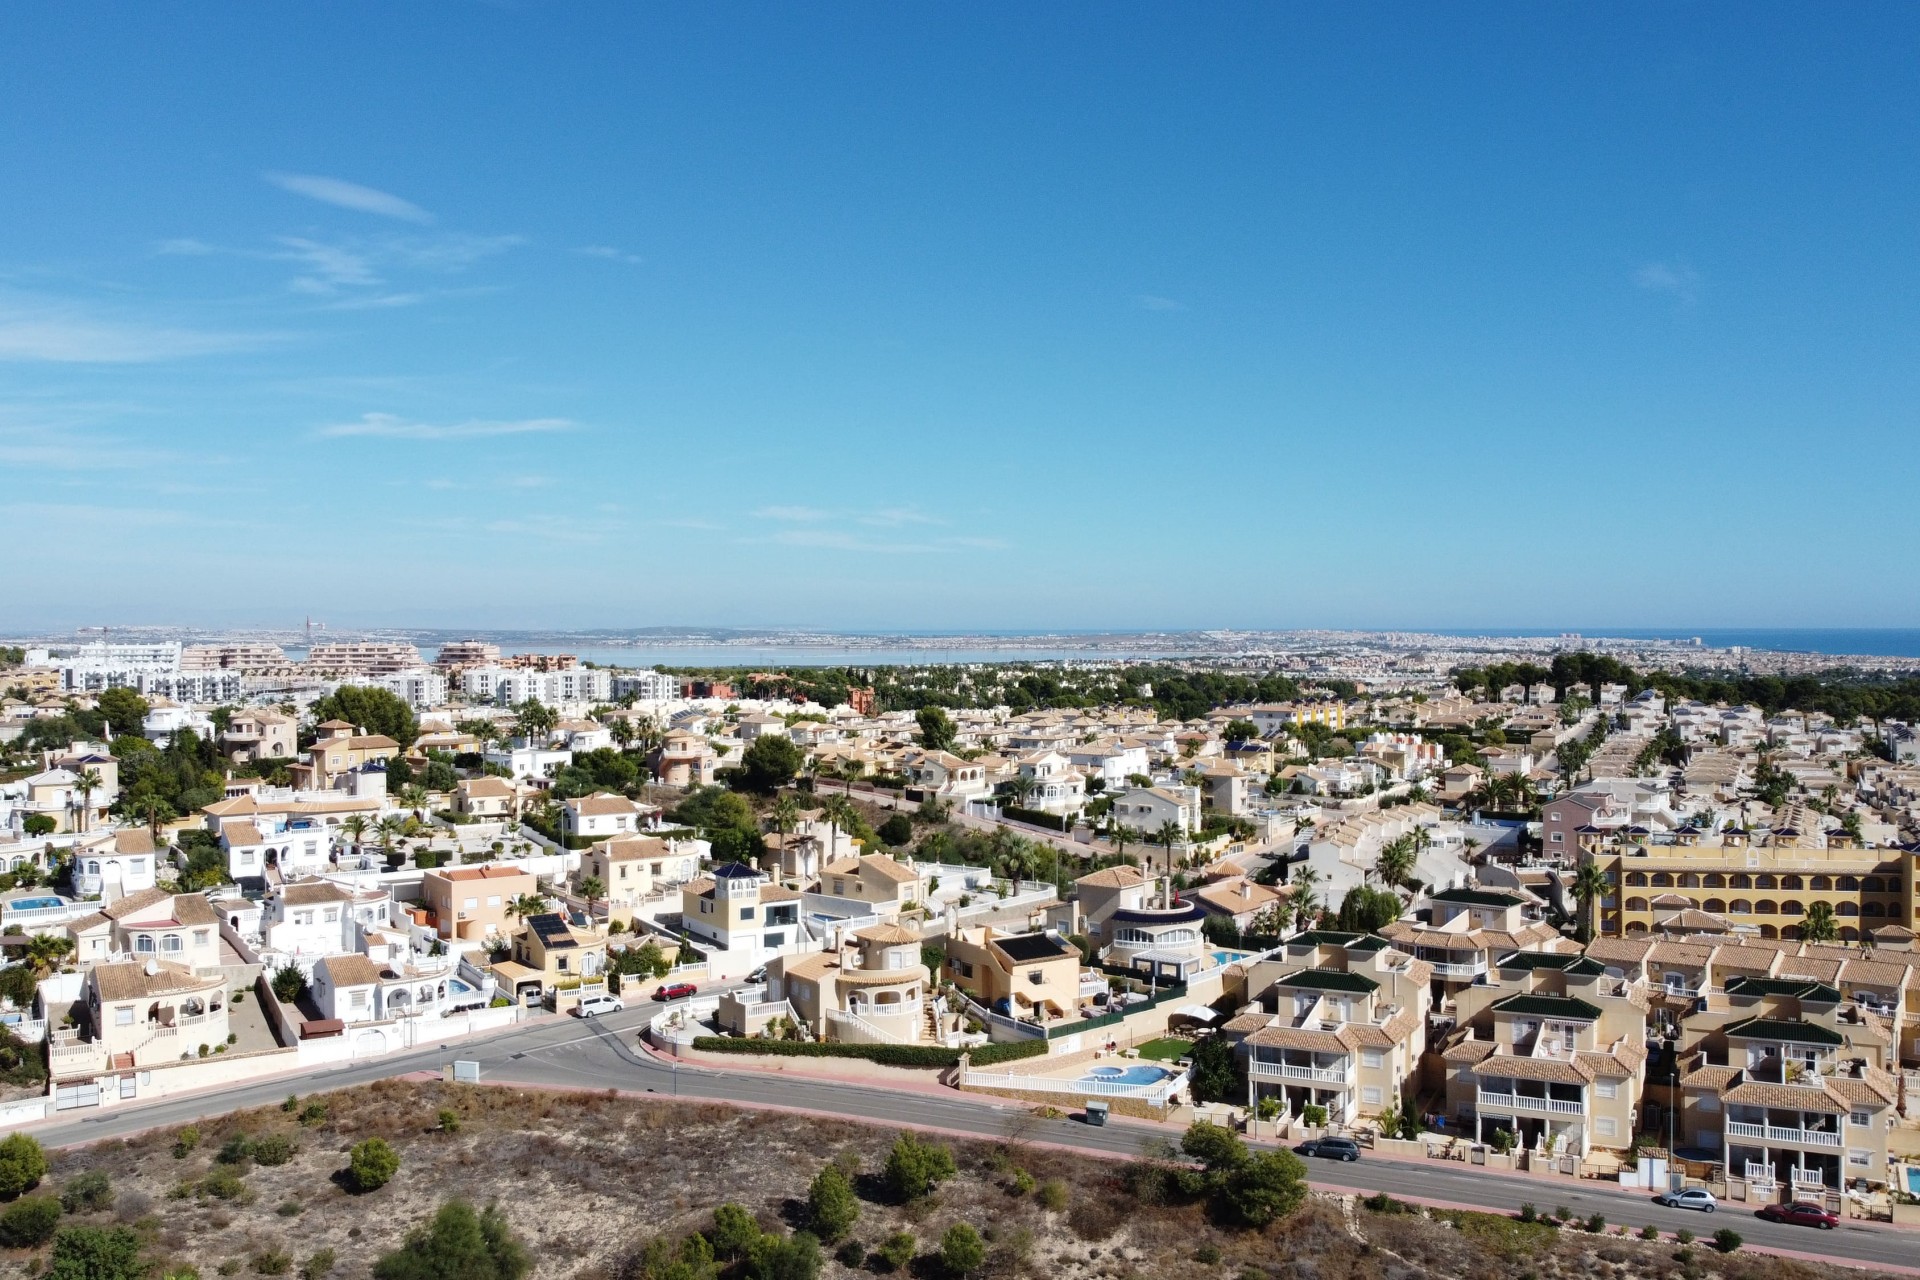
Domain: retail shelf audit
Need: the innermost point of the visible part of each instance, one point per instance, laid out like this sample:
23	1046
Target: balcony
1448	969
1777	1133
1288	1071
1530	1102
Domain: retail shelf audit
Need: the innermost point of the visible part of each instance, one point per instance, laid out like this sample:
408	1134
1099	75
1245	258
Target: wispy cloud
894	517
798	515
387	426
1154	302
328	267
65	333
1674	278
610	253
839	540
349	195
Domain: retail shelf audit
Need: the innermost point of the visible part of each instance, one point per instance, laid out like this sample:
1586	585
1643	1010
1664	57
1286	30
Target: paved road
601	1054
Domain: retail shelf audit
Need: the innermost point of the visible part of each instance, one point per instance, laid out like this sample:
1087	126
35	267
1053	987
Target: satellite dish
153	968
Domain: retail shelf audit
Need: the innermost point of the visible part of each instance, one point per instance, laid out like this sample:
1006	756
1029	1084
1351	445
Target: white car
594	1006
1691	1198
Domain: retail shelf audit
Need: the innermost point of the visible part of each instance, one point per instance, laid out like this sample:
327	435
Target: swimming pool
1228	957
1137	1076
32	904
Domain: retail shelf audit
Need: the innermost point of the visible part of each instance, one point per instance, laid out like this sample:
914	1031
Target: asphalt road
601	1054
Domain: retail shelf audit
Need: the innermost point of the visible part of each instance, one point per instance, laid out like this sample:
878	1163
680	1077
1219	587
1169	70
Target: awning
1198	1012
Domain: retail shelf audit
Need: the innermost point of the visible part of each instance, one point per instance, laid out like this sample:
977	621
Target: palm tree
622	731
1167	835
86	784
1305	902
527	904
533	719
414	796
390	828
355	828
839	811
592	888
1589	886
785	814
155	811
1395	863
1819	924
1023	787
45	952
1120	833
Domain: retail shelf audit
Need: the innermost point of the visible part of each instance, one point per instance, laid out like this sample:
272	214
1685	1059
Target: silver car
1691	1198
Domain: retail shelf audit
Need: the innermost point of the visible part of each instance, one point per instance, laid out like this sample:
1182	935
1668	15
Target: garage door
69	1096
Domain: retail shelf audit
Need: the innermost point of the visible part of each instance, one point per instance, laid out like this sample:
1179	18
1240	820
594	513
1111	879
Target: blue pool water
1228	957
458	988
32	904
1140	1076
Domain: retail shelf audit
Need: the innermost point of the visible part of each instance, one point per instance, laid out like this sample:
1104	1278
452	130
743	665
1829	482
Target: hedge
1034	817
889	1055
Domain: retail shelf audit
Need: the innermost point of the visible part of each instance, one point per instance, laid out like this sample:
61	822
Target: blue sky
871	316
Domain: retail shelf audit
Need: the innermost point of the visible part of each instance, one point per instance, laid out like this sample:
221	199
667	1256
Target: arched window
1740	907
1792	908
144	944
1763	908
1847	909
1716	906
1791	882
1741	881
1872	884
172	942
1764	882
1661	880
1872	909
1636	879
1636	926
1768	931
1849	882
1715	880
1636	904
1821	884
1689	881
1849	934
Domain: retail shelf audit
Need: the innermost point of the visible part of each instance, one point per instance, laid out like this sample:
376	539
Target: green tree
22	1164
29	1222
1214	1077
1265	1188
770	763
832	1208
936	729
1239	730
94	1253
794	1257
534	720
592	889
371	1164
38	824
458	1244
288	983
125	710
962	1251
1365	909
1819	924
371	710
914	1168
1216	1147
1396	861
897	831
734	1232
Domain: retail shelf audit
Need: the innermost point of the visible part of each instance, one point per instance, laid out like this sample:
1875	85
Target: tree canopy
458	1244
770	763
371	710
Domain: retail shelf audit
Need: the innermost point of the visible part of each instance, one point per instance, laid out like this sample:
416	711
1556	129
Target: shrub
1563	1213
29	1222
222	1183
22	1165
272	1262
371	1165
896	1252
288	983
238	1151
1597	1223
289	1208
1528	1213
90	1192
794	1257
832	1208
1727	1240
273	1149
459	1242
1314	1114
962	1252
313	1113
850	1254
185	1141
914	1168
292	1104
317	1267
93	1253
1023	1182
733	1232
1649	1232
1053	1195
1684	1236
1207	1255
449	1120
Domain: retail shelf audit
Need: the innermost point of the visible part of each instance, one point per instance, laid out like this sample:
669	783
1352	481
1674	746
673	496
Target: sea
1870	642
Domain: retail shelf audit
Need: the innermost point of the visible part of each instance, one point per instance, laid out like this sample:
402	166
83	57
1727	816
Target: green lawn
1166	1049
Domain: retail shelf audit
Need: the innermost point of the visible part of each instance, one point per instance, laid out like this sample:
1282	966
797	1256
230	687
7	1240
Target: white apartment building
417	686
363	657
152	670
646	686
509	686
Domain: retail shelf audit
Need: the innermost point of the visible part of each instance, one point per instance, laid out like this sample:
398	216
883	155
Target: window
470	903
492	901
144	944
123	1016
333	915
1370	1094
1606	1089
1709	1102
137	866
1036	977
1862	1118
201	937
774	940
1858	1157
357	1000
1558	838
172	942
1369	1057
746	913
1605	1126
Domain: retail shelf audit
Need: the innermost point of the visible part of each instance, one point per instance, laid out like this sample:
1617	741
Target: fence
1154	1095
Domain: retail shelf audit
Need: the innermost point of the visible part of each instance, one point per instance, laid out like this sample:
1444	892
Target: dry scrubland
587	1180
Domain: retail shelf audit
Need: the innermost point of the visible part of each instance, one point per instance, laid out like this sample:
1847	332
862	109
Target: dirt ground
588	1179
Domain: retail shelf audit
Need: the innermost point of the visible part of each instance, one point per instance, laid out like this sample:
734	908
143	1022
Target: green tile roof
1791	1030
1803	988
1478	898
1330	980
1542	1006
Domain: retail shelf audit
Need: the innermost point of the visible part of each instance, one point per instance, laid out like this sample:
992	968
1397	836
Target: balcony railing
1290	1071
1447	969
1777	1133
1528	1102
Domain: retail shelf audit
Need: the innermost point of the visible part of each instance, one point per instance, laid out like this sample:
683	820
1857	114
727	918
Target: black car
1330	1149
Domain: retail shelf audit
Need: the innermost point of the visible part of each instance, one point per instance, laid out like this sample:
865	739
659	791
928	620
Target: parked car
1692	1198
594	1006
1330	1149
1801	1214
674	991
758	975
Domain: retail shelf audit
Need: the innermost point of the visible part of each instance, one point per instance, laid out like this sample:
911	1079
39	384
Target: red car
674	991
1801	1214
